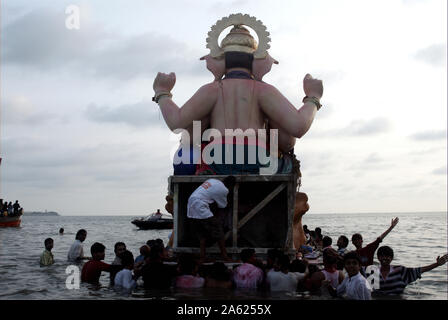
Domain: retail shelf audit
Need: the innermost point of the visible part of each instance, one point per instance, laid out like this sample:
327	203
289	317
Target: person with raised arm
394	279
366	253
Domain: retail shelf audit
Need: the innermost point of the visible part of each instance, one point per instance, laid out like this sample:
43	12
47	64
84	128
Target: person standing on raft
206	225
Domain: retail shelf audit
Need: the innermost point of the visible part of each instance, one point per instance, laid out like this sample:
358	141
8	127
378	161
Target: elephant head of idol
239	39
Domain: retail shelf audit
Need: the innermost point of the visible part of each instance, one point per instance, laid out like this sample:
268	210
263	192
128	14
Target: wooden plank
286	180
291	204
261	205
176	215
235	216
239	178
231	250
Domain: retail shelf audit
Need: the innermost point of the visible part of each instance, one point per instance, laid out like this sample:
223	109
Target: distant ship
10	221
40	213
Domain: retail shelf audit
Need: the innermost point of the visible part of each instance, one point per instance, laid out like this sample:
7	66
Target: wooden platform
259	214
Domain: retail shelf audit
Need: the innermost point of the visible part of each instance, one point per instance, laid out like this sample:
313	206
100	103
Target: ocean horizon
307	214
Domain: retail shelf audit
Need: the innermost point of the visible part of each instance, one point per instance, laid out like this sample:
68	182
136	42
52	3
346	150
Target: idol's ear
262	66
215	65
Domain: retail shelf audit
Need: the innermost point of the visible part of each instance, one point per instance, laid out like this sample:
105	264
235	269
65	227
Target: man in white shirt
279	278
355	286
156	216
206	225
76	253
124	278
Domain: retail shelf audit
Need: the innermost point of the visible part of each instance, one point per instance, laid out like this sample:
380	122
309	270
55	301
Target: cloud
33	162
144	55
440	171
19	110
414	184
357	128
434	55
326	111
367	128
40	151
429	135
373	158
36	162
317	163
40	40
330	76
411	2
424	152
141	114
370	163
225	5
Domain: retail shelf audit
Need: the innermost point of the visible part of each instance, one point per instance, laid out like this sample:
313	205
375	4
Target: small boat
153	221
10	221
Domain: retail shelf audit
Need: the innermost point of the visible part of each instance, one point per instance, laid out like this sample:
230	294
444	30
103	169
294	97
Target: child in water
355	286
46	258
395	278
124	278
91	271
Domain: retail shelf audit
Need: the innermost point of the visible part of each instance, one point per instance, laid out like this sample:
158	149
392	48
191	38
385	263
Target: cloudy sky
80	135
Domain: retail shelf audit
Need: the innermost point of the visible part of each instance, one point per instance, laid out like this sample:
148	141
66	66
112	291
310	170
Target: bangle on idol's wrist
161	94
164	96
313	100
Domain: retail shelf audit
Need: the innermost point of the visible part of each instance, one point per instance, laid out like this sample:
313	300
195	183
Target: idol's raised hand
312	87
164	82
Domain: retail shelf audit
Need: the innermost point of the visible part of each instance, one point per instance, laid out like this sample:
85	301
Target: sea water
417	240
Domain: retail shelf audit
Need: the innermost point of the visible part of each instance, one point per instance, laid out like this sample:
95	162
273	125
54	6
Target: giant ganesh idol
239	124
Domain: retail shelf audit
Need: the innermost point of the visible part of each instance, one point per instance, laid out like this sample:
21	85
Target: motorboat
153	221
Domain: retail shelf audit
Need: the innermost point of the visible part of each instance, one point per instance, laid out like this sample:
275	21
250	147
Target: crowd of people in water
318	268
9	209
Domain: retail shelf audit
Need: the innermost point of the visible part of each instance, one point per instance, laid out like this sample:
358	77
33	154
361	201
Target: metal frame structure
288	181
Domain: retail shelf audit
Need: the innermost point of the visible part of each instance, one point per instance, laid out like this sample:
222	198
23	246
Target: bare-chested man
241	102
